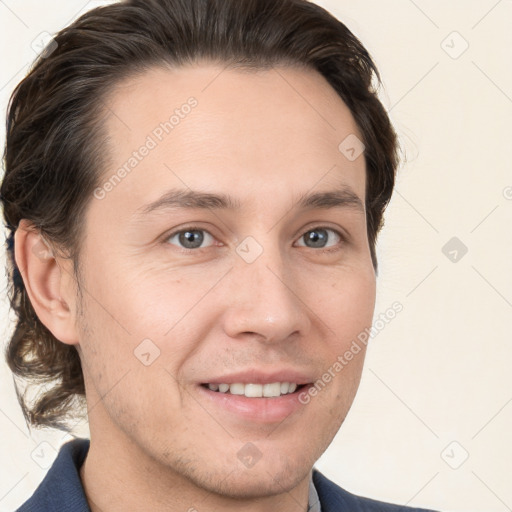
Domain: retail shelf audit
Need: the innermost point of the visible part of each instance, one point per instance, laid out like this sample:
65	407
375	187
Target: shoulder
333	499
61	488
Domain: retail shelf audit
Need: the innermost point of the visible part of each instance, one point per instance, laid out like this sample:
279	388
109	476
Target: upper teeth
256	390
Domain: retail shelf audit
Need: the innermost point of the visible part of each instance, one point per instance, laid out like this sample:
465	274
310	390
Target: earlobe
46	282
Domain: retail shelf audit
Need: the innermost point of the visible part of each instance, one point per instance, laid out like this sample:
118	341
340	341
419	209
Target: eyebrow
191	199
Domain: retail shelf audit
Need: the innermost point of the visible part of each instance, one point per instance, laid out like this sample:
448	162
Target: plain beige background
431	424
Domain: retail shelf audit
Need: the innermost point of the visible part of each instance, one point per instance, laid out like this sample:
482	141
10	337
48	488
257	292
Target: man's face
268	290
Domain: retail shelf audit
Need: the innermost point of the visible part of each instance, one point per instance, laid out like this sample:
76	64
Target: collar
313	500
61	489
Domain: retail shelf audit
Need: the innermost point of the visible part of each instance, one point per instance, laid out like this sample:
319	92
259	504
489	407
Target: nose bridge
265	301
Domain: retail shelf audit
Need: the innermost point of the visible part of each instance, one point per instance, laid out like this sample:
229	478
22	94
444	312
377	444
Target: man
194	190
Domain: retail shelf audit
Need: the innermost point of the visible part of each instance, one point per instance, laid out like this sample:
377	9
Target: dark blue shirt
61	489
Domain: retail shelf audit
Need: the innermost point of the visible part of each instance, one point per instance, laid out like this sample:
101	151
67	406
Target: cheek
170	306
145	301
346	309
345	302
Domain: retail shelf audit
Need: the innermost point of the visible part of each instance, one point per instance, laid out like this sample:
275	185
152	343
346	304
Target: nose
263	302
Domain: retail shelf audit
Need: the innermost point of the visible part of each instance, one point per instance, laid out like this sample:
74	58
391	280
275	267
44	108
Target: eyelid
319	225
192	227
318	228
336	247
343	237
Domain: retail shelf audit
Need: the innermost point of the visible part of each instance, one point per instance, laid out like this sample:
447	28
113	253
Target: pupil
318	237
191	239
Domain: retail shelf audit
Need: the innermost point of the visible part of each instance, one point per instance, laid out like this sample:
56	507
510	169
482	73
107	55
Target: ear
49	282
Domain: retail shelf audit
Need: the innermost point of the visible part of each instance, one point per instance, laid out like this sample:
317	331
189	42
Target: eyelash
336	248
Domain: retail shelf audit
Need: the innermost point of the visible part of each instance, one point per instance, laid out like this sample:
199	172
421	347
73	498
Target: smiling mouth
270	390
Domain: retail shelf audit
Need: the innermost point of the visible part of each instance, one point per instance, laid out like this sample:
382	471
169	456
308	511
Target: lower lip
259	410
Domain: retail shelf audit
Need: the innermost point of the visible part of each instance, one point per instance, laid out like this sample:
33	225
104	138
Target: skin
265	138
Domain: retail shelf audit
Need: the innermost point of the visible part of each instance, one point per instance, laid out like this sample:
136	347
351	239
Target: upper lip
253	376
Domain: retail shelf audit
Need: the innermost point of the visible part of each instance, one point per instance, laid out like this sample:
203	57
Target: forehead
259	133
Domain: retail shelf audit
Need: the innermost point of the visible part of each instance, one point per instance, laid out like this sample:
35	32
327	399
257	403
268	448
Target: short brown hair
53	155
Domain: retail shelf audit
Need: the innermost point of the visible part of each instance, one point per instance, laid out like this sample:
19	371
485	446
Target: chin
276	473
257	483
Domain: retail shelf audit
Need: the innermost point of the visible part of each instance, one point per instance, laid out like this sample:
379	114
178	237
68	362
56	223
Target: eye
320	238
190	238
